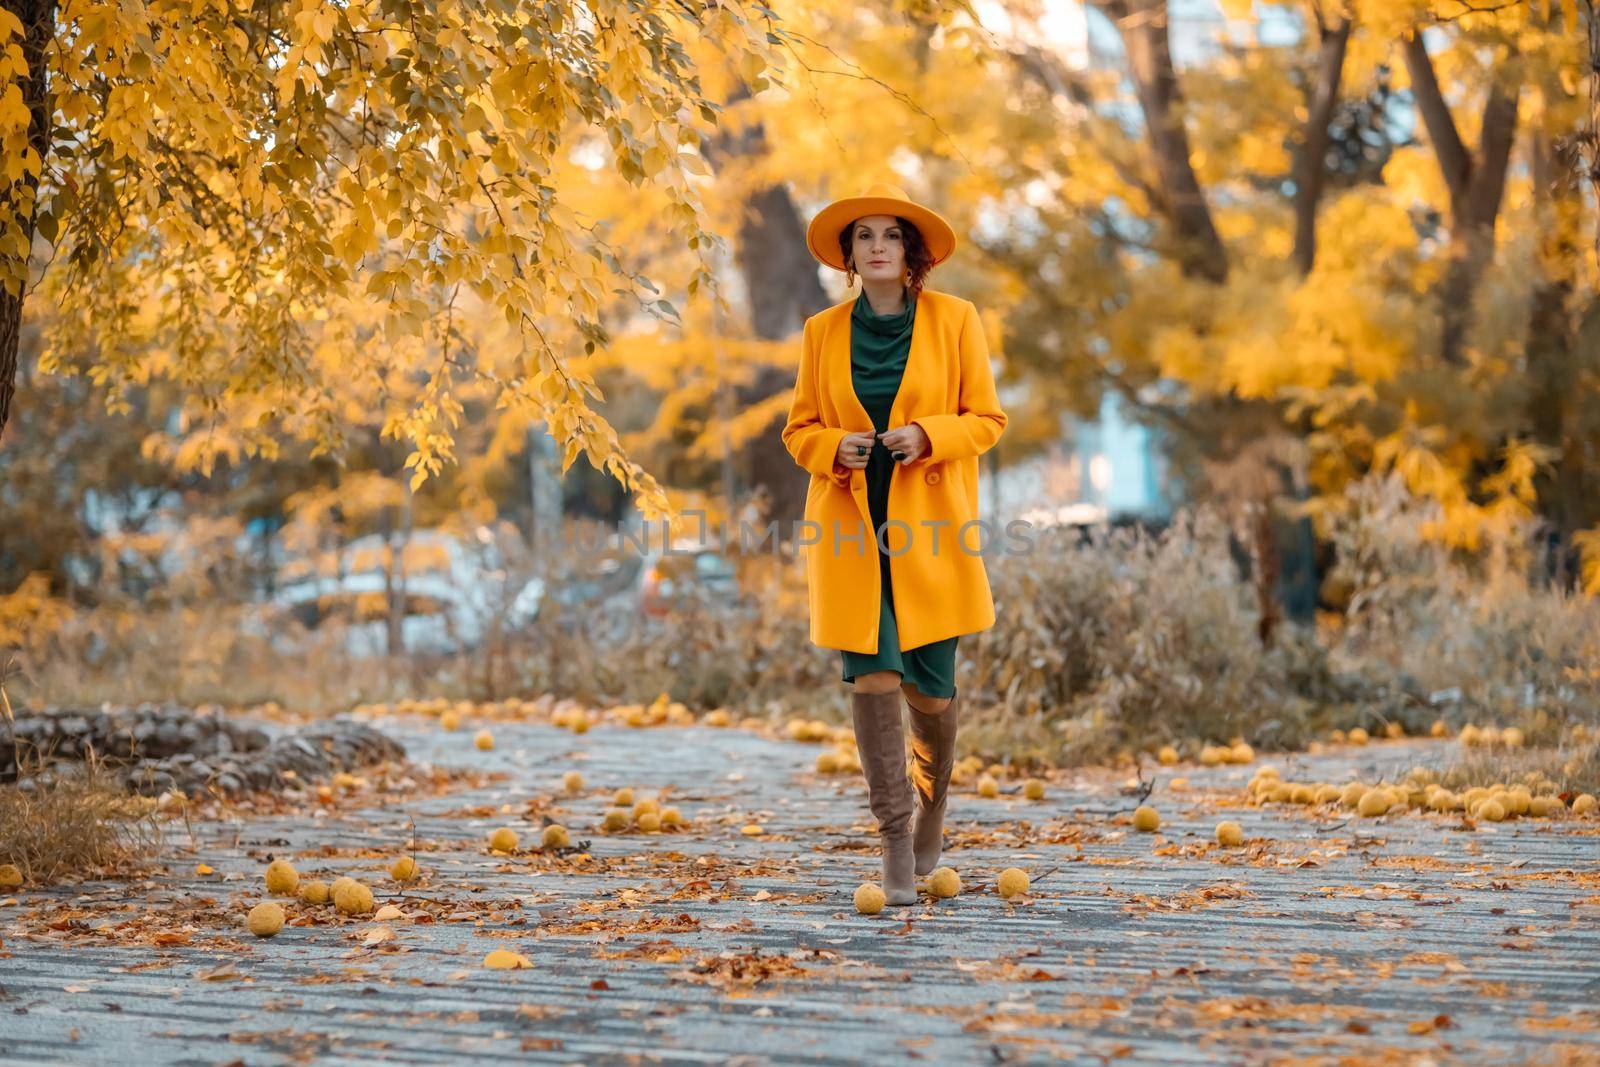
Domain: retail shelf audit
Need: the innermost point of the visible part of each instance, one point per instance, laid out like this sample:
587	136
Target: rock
162	748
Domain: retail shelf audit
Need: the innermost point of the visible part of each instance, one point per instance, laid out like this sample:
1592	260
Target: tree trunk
1311	167
1143	26
782	289
38	28
1476	182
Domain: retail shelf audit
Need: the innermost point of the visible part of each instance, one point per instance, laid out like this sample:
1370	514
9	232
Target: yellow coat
940	586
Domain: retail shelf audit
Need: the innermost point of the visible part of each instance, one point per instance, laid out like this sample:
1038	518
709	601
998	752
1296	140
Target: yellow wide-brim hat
822	236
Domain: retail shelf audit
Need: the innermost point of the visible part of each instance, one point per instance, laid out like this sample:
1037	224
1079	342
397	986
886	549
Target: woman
893	404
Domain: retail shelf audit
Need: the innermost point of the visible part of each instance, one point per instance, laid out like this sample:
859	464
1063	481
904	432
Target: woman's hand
910	442
850	444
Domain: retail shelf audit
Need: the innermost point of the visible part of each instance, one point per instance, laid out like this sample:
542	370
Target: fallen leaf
506	960
219	974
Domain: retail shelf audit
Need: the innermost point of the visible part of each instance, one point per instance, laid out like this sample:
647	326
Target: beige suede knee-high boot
933	747
880	738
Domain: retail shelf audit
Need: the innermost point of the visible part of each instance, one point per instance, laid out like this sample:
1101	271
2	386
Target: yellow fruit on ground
10	876
1267	770
353	898
503	840
869	899
615	819
1542	807
343	879
572	782
827	762
1033	789
1280	792
1351	794
1521	798
1439	729
1211	755
719	717
1326	793
1167	756
1303	794
316	892
1146	819
265	920
643	805
556	836
404	869
580	724
623	798
1013	882
671	817
1374	802
1394	730
450	721
1241	753
1178	785
1336	737
483	739
650	822
1357	736
944	882
988	787
282	879
503	959
1583	804
1511	737
1229	834
1491	811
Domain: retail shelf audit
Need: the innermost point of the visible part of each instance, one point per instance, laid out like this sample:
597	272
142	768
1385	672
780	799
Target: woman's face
876	248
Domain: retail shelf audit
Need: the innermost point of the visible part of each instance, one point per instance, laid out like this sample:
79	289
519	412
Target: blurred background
1293	308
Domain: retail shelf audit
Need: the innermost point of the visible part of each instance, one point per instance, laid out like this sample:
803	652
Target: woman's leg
875	706
930	669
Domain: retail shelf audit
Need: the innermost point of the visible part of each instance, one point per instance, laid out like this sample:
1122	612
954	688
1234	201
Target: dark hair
918	260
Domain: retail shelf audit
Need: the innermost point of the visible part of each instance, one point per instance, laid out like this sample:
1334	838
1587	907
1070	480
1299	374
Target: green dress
879	345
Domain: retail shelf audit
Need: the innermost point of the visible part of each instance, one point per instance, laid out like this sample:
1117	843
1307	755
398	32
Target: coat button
932	477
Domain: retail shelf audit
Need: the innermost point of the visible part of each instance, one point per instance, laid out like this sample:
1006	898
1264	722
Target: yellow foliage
30	613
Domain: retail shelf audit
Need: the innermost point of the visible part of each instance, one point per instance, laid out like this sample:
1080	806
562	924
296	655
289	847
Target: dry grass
1486	635
74	821
1571	768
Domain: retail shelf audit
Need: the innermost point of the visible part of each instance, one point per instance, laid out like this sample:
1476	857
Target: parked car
454	591
671	580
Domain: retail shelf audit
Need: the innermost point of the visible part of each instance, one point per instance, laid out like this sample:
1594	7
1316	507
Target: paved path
1398	940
